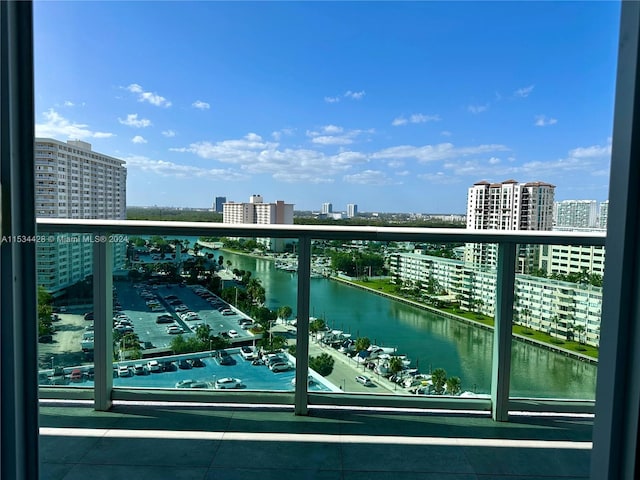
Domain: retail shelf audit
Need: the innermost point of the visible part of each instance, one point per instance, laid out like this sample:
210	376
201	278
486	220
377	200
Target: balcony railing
499	402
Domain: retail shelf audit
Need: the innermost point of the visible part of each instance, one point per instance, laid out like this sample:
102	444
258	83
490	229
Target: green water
430	340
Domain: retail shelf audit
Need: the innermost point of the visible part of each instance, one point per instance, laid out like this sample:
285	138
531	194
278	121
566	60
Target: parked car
88	316
154	366
184	364
124	371
174	330
364	380
227	382
233	334
248	353
224	358
279	367
139	369
197	363
76	375
164	319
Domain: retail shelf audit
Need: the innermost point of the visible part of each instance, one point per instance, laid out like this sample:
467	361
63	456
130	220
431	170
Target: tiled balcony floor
140	442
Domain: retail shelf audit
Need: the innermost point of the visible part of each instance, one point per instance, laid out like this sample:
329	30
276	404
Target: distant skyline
397	107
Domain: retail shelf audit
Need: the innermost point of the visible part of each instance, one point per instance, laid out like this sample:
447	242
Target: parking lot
169	300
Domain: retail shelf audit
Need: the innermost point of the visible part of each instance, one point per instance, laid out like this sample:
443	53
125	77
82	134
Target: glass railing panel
390	317
204	313
557	310
65	309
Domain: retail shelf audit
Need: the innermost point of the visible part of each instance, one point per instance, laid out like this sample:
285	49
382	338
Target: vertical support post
616	427
19	457
501	370
103	321
302	339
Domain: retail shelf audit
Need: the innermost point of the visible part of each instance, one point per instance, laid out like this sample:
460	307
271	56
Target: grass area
385	286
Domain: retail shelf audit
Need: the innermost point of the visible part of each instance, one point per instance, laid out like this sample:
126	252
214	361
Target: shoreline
518	337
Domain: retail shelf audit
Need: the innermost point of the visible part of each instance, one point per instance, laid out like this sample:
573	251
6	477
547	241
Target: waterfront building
73	181
568	259
218	204
575	213
327	208
562	309
508	205
256	211
603	214
352	210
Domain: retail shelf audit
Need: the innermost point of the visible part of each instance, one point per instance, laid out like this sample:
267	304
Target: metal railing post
501	371
103	321
302	339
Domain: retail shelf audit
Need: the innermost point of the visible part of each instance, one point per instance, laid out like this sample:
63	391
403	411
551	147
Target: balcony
330	414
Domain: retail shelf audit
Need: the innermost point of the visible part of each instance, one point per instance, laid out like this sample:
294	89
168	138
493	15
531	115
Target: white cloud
524	92
475	109
446	133
415	118
138	139
543	121
152	98
355	95
494	161
56	126
169	133
594	151
69	103
370	177
278	134
334	135
332	99
171	169
199	104
253	155
430	153
133	121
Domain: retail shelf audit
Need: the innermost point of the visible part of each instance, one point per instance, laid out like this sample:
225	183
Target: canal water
429	340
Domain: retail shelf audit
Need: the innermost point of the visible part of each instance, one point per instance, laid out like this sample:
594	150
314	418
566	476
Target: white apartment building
73	181
258	212
327	208
576	213
508	205
603	214
562	309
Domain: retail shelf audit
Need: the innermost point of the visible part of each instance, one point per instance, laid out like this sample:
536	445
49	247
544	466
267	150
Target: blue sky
397	107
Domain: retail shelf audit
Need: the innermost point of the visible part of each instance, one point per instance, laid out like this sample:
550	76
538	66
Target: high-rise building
352	210
73	181
603	214
218	203
575	213
327	208
258	212
508	206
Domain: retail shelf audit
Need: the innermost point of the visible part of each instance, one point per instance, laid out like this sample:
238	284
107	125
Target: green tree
45	310
362	343
395	365
439	379
285	312
317	325
454	385
323	364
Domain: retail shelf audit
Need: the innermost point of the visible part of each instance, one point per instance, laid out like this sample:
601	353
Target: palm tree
454	385
395	365
581	331
439	379
362	343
